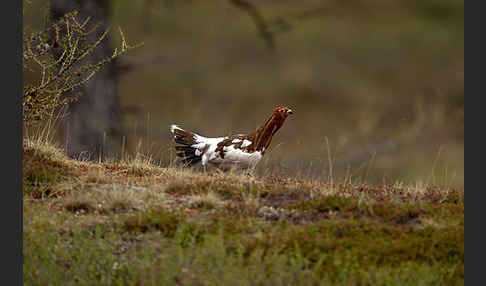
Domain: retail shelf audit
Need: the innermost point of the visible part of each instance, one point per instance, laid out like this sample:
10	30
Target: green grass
242	230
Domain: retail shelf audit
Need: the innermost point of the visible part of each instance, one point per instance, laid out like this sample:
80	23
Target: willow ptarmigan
240	151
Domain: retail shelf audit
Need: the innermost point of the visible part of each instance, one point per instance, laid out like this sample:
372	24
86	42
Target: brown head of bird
263	135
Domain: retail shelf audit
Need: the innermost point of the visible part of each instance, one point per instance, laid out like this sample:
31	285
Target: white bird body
233	157
238	151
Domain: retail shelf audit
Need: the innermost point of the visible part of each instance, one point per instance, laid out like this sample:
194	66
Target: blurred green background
377	86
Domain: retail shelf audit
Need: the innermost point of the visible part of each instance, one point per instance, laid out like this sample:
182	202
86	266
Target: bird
239	151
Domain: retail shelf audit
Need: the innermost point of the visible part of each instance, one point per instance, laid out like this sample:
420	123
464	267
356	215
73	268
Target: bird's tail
186	149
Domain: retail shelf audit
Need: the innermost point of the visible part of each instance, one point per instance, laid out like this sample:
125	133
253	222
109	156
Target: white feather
232	156
174	127
211	144
246	143
239	157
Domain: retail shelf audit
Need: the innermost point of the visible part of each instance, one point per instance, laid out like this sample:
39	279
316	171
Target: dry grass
109	213
209	200
139	185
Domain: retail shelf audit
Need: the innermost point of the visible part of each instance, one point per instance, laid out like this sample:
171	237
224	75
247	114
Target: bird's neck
263	135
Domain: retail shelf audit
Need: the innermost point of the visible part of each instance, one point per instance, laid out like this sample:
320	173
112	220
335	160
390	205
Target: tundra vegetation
141	219
131	222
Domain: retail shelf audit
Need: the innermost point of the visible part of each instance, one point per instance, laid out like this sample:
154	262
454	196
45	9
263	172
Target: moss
154	219
118	206
341	251
226	191
278	196
79	206
385	211
378	244
395	213
446	213
181	188
328	203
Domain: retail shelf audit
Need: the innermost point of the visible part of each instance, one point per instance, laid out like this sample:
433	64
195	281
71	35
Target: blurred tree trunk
93	126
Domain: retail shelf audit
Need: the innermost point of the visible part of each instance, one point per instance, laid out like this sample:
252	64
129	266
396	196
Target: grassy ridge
132	223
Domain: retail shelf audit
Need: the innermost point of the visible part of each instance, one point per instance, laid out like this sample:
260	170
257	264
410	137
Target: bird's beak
290	111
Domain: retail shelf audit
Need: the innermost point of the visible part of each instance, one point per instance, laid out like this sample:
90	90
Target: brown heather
134	223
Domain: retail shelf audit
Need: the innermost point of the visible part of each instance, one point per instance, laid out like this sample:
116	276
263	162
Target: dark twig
64	71
260	23
288	22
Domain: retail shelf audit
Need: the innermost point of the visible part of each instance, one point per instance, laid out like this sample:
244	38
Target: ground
131	222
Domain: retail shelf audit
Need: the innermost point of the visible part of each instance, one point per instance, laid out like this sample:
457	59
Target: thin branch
61	73
260	23
288	22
